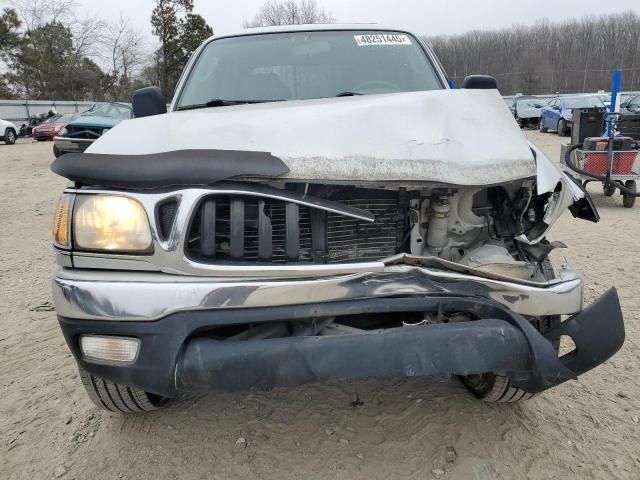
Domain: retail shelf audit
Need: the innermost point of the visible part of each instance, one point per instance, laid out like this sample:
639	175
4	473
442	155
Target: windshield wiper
217	102
349	94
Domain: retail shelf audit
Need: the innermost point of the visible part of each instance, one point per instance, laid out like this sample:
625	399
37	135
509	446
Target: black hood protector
176	168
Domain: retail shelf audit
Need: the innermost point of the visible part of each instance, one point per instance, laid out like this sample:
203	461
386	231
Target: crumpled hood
461	137
99	122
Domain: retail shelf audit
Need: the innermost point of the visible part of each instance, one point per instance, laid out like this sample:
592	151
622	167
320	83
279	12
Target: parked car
557	115
630	105
91	125
527	111
605	99
51	127
319	205
629	122
8	132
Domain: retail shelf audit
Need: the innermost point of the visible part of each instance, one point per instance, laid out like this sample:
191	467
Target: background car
629	122
630	105
91	125
605	98
527	111
8	132
52	127
557	115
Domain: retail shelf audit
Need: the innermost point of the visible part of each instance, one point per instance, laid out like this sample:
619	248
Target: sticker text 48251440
382	39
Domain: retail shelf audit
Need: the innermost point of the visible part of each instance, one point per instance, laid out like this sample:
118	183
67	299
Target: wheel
541	127
10	137
56	151
628	201
490	387
563	130
119	398
608	190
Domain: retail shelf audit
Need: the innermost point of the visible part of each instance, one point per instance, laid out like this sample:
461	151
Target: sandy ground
398	428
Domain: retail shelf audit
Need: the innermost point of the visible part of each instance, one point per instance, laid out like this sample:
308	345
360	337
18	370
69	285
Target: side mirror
148	101
484	82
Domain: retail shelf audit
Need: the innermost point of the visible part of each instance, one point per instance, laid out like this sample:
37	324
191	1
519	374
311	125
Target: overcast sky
428	17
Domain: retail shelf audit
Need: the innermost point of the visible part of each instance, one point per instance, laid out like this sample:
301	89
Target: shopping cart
612	160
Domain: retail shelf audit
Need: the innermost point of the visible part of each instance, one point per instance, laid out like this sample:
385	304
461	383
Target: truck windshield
306	65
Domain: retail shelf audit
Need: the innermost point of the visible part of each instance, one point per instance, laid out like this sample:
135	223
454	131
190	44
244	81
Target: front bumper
168	313
71	145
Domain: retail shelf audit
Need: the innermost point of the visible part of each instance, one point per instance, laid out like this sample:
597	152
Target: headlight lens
63	132
111	223
61	221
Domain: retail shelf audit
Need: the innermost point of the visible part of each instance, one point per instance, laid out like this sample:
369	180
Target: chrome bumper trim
145	296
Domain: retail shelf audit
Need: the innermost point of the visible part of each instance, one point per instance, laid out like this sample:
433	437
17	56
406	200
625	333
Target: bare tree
88	32
567	57
290	12
36	13
125	51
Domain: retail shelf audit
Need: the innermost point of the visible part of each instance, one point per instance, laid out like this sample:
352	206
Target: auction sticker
382	39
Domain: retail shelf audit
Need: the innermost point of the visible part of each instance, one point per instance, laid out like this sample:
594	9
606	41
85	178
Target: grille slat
243	229
237	226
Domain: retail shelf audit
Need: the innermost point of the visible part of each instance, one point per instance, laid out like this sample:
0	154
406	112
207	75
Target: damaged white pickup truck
319	205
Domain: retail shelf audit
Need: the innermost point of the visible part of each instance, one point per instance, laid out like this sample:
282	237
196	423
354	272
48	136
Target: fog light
109	349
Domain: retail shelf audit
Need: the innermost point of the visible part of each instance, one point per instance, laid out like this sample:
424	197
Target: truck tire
118	398
490	387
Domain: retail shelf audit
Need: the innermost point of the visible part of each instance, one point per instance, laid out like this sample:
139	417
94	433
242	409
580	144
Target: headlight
110	223
63	132
61	227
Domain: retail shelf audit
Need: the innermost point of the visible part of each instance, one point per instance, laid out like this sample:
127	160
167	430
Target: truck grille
83	132
241	229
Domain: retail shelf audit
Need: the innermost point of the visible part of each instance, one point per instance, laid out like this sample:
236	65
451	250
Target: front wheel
10	137
563	130
608	190
119	398
490	387
541	127
628	201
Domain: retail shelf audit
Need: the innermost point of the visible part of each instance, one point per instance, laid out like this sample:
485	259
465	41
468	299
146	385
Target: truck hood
461	137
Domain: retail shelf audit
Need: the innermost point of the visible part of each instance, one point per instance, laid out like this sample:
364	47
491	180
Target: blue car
557	115
91	125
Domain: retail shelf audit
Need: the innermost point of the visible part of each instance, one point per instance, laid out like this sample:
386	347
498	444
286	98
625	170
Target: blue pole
616	85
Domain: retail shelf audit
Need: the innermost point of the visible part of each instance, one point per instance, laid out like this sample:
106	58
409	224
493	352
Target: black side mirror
148	101
484	82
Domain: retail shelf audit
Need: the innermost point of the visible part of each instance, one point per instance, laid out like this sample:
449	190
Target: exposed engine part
541	250
438	224
497	259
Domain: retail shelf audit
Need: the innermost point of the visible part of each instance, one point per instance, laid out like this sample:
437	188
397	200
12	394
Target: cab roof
317	27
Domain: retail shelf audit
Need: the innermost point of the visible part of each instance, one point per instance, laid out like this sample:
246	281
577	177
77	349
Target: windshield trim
428	52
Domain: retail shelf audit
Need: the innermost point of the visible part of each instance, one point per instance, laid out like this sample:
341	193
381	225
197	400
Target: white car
319	205
8	132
